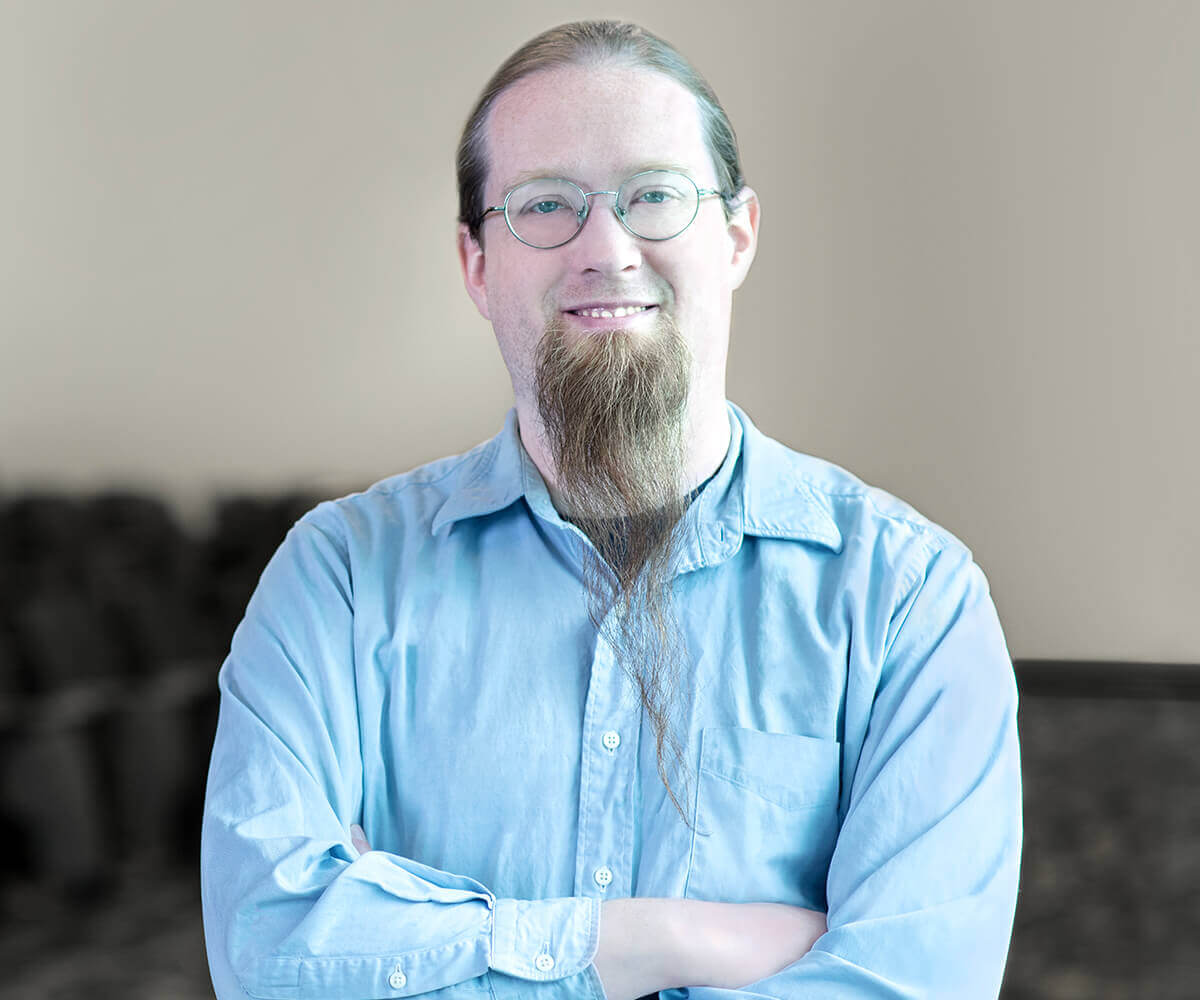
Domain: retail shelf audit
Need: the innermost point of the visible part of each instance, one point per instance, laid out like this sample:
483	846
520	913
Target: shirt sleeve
922	884
290	908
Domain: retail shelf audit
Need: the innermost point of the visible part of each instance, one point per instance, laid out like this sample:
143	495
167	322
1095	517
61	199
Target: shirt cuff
583	985
545	940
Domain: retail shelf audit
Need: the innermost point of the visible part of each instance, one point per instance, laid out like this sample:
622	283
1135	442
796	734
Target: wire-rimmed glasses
653	204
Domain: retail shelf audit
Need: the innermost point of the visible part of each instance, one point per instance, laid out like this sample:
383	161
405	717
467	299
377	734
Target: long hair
593	42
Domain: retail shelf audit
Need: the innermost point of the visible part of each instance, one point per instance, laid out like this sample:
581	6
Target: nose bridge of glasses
605	242
587	203
617	210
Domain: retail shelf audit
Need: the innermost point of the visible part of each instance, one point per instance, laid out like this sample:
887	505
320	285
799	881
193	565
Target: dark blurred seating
113	623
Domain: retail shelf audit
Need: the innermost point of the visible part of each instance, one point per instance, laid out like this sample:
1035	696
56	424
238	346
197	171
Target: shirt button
603	876
612	740
397	980
544	962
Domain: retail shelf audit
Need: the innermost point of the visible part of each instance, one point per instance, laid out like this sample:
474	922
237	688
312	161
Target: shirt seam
344	554
912	578
922	526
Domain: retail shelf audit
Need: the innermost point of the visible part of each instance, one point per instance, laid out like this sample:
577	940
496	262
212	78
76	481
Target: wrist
641	946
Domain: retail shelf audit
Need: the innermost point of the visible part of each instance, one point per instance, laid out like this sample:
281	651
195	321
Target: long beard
613	407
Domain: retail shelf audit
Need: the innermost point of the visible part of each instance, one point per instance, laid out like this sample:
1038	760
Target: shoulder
401	504
788	491
867	514
906	580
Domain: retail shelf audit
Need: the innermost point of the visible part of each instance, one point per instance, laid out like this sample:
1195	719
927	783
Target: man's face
597	126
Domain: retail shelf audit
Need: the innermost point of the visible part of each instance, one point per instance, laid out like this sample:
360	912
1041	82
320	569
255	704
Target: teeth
611	313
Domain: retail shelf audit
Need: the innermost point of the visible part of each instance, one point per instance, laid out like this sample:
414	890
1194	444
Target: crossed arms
921	886
648	944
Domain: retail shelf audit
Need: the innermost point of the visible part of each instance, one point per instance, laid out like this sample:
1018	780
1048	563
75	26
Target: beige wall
226	261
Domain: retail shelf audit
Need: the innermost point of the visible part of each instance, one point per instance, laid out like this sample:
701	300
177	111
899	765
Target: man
630	698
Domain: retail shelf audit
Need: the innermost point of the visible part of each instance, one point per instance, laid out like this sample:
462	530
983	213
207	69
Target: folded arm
291	910
922	884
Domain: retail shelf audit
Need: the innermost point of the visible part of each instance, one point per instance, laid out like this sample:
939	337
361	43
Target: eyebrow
529	175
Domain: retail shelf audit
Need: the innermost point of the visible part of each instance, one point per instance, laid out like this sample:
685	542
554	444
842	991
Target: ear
743	231
470	257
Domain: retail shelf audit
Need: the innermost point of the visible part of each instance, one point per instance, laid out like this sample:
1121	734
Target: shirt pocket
765	817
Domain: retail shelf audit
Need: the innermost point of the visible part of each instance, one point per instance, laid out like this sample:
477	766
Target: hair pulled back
584	43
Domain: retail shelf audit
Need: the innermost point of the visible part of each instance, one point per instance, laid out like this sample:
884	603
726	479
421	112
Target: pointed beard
613	407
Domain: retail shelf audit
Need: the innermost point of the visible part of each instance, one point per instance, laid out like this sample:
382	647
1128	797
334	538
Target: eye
542	206
654	196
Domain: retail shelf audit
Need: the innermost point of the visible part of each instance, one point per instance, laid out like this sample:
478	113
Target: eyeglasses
653	205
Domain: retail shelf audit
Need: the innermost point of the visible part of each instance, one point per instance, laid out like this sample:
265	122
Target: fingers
358	839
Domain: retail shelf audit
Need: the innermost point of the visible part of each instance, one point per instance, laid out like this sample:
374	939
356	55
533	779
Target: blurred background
228	289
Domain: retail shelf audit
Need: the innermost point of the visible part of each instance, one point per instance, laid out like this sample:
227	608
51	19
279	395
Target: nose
604	245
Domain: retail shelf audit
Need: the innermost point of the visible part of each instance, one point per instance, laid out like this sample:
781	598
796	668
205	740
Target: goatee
613	407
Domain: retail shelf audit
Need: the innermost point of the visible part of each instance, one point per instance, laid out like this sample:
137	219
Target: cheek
516	305
705	264
518	287
702	285
703	306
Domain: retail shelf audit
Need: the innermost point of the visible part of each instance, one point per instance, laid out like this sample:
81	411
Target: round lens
545	213
658	204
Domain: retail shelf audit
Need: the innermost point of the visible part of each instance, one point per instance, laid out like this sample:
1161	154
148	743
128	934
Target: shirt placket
608	778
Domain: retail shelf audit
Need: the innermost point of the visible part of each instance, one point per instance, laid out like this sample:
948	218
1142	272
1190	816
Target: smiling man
611	304
630	698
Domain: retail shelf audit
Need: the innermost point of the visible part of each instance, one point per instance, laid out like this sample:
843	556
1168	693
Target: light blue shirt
418	658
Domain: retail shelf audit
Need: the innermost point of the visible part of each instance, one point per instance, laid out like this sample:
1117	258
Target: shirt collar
762	488
781	500
488	479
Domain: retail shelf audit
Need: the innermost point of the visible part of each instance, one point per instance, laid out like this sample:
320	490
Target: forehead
594	125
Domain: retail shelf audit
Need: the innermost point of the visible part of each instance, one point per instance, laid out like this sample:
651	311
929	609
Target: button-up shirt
418	658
